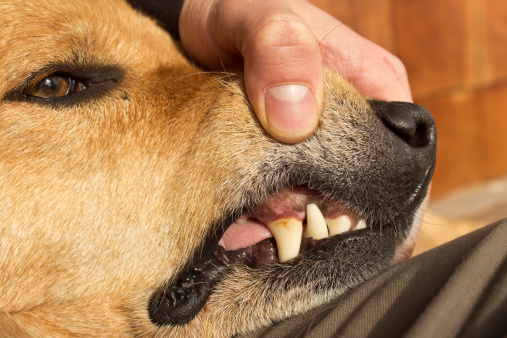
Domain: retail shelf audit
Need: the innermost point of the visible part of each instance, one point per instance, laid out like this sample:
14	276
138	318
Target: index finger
370	68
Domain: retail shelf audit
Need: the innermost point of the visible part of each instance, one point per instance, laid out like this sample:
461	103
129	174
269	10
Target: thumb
284	76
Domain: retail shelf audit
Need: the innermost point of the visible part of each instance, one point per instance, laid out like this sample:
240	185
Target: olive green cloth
456	290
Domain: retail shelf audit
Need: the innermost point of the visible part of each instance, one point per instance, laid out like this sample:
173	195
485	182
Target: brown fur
105	200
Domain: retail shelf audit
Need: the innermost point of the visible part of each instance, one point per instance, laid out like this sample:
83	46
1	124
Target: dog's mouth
295	225
285	225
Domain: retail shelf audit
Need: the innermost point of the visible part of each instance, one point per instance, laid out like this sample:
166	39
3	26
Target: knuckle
283	30
396	65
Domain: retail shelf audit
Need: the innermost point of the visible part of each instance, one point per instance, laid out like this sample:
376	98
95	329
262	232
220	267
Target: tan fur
99	206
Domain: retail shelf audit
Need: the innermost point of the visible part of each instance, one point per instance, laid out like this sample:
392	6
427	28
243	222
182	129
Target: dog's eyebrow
99	80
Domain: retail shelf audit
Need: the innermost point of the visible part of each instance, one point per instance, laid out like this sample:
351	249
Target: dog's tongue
244	233
252	228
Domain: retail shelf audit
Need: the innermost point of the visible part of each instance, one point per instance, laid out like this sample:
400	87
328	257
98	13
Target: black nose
410	122
414	130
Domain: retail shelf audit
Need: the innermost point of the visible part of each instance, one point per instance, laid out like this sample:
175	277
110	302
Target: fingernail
290	110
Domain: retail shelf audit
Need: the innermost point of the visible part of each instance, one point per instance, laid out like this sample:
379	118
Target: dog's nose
411	122
414	126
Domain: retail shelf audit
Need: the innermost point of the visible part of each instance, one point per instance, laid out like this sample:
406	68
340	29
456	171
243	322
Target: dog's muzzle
298	226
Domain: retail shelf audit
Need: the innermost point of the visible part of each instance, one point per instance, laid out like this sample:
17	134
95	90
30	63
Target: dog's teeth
361	224
287	232
315	223
338	225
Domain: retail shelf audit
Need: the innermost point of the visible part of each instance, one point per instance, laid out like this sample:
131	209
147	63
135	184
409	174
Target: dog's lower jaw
282	302
288	289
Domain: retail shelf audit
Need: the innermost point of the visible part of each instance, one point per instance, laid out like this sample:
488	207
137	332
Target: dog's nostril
411	122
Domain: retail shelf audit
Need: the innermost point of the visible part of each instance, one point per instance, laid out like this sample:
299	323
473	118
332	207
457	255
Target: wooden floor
461	212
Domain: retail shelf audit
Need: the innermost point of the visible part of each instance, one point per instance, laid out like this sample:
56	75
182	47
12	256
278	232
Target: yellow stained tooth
338	225
315	223
287	233
361	224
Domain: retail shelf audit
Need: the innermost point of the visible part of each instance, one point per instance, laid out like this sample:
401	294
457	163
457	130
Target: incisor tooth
338	225
361	224
287	232
315	223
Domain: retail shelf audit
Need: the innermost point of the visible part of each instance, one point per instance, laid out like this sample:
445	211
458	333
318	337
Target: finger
203	37
382	76
374	71
282	63
284	77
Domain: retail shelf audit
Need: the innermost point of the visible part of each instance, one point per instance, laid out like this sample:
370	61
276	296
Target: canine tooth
315	223
338	225
287	233
361	224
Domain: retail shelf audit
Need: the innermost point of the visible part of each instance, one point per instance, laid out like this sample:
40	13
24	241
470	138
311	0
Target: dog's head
140	195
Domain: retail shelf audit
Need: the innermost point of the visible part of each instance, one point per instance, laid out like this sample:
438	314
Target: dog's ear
165	12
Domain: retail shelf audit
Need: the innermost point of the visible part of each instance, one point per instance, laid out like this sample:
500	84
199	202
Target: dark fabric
456	290
166	12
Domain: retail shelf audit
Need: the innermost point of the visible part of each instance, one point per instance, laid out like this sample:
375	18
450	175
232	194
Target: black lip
344	264
192	297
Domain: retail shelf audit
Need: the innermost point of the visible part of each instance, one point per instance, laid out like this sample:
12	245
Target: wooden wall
455	52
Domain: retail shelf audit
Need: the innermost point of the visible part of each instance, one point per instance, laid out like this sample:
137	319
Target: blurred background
455	52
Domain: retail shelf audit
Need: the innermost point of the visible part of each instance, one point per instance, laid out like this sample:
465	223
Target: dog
141	197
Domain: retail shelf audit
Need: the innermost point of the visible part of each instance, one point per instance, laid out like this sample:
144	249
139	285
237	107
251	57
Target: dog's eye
56	86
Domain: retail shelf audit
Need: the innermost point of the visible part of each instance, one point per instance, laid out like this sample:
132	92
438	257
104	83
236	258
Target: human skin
283	46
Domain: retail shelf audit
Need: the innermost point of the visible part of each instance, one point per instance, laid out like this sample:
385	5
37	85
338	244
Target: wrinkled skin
110	193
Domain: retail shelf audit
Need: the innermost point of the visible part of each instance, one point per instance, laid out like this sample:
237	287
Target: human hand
283	46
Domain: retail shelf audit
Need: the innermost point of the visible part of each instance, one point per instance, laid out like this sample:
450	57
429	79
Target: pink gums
251	227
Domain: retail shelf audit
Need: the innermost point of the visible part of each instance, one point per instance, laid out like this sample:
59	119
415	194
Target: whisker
199	73
225	70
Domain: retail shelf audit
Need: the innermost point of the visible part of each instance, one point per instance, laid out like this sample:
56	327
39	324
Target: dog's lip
251	227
